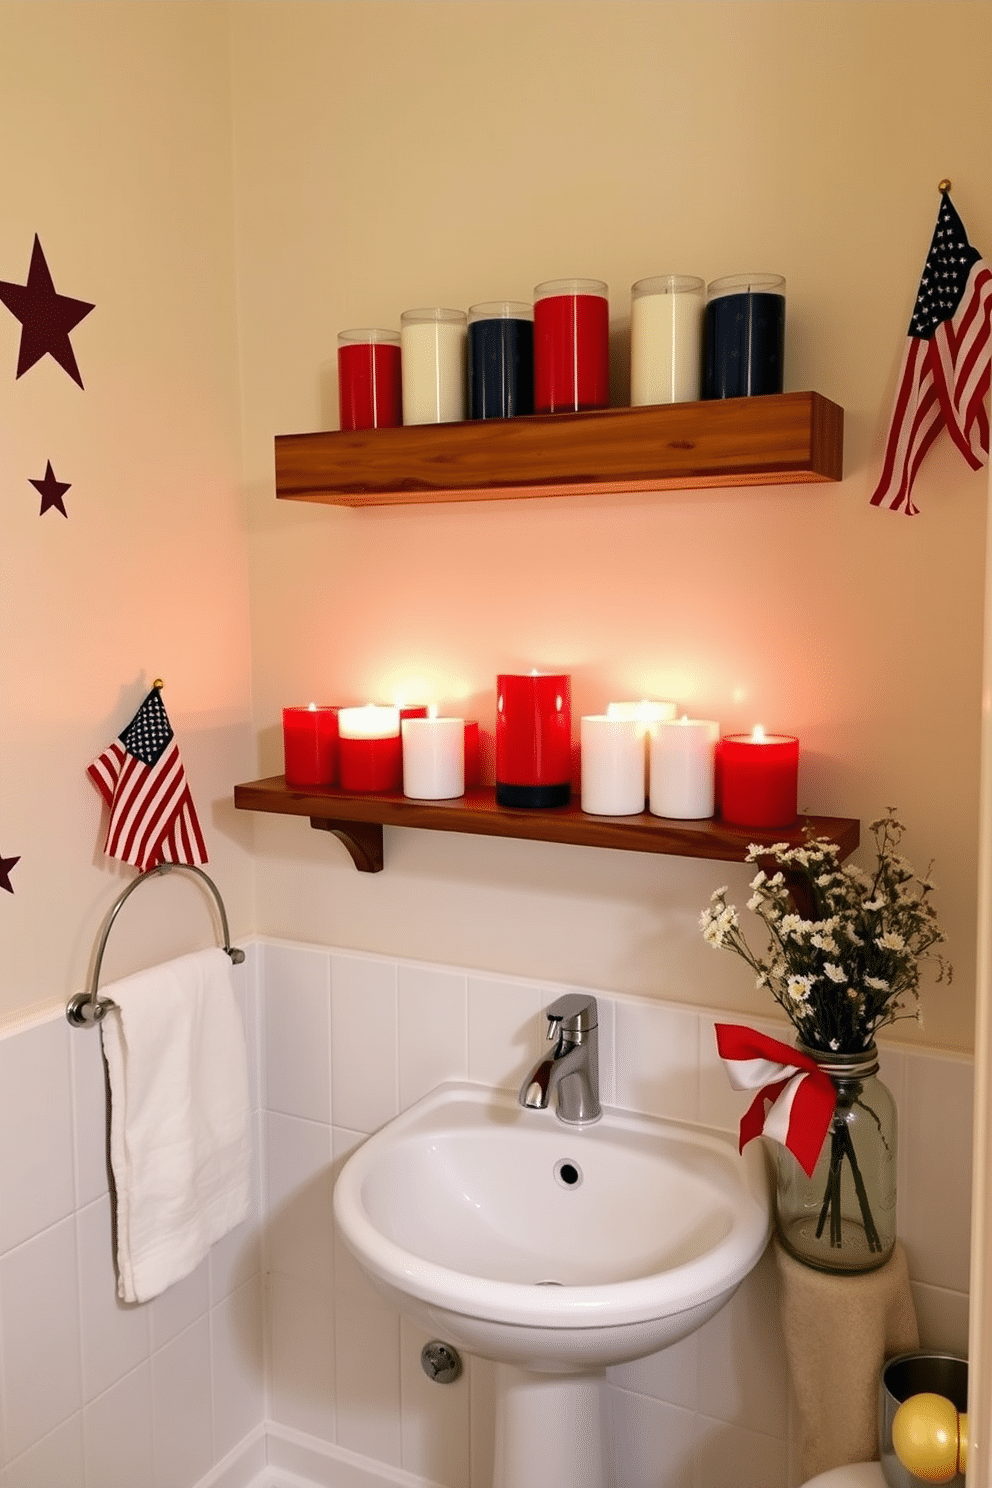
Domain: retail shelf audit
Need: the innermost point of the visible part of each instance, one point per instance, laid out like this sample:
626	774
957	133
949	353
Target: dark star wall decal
51	491
6	864
46	317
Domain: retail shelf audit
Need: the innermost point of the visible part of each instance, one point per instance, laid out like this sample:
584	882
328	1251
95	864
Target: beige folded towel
839	1331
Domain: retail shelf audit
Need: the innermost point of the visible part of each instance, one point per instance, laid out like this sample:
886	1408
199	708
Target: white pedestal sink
554	1250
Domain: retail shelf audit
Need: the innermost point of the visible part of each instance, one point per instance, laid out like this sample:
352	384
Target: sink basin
548	1247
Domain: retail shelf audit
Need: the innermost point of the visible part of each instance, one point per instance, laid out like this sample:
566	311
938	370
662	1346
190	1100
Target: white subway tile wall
279	1326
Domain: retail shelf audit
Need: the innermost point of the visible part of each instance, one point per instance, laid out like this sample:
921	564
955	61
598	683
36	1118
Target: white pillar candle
666	339
433	354
433	758
647	712
683	768
612	765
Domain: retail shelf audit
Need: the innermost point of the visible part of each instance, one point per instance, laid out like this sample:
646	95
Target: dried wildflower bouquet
845	966
854	964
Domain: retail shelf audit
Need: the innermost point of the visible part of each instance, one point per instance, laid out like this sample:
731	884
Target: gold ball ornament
930	1438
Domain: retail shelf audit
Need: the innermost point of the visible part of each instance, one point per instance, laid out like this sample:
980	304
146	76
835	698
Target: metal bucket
916	1374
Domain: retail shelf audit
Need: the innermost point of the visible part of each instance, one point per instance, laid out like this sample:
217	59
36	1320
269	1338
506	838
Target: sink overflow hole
568	1174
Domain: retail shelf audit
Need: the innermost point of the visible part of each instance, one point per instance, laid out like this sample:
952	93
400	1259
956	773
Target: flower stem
871	1233
841	1146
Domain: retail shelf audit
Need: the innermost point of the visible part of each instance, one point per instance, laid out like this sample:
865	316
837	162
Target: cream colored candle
433	758
666	339
683	768
612	765
433	352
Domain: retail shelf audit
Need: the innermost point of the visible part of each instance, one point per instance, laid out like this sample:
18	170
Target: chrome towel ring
86	1009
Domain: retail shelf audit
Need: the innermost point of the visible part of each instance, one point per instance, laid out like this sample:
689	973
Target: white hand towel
179	1151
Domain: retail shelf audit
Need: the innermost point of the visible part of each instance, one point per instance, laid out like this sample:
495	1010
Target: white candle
433	352
647	712
433	758
370	722
666	339
612	765
683	768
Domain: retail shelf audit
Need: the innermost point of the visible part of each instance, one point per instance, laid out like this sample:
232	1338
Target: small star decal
46	317
51	491
6	864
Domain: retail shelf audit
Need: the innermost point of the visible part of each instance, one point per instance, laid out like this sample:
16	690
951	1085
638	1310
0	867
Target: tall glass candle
666	339
683	766
369	379
369	751
433	758
571	345
310	745
745	336
432	343
612	765
759	779
533	739
500	359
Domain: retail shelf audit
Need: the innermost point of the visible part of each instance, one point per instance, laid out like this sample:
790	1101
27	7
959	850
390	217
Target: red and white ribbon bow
802	1097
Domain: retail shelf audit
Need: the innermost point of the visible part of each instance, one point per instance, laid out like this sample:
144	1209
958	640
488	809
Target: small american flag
141	778
945	369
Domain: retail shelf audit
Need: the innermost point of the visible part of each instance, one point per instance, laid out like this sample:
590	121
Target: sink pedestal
548	1430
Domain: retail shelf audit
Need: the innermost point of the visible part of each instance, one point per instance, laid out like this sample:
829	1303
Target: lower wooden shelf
358	821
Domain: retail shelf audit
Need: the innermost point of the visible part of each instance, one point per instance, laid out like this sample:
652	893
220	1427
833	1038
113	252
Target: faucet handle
572	1013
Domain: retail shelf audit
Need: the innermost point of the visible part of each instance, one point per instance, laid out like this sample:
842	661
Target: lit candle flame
757	734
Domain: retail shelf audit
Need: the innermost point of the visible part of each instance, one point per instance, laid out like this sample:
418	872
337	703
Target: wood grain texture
778	439
477	813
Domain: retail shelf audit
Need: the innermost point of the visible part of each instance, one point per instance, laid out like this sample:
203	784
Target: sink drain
549	1283
568	1173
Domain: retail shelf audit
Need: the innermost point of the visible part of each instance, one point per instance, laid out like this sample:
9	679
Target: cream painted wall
116	121
391	155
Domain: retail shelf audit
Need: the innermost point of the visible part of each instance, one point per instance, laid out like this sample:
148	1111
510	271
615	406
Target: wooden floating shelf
358	820
783	438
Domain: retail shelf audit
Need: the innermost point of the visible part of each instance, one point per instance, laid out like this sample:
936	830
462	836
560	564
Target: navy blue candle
744	336
500	359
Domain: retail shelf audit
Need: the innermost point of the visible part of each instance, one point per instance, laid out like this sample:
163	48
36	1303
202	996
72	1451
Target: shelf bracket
362	839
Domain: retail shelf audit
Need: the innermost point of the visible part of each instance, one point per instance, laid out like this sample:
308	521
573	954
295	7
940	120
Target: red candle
472	758
759	779
369	386
571	345
370	754
310	745
533	739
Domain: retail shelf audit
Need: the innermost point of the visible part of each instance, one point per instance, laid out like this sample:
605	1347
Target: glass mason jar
843	1218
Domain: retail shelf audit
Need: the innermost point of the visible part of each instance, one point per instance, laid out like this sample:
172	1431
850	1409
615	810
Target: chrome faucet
571	1071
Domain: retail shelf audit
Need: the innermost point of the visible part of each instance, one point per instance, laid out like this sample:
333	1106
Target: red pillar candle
759	779
533	739
472	755
370	755
310	745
